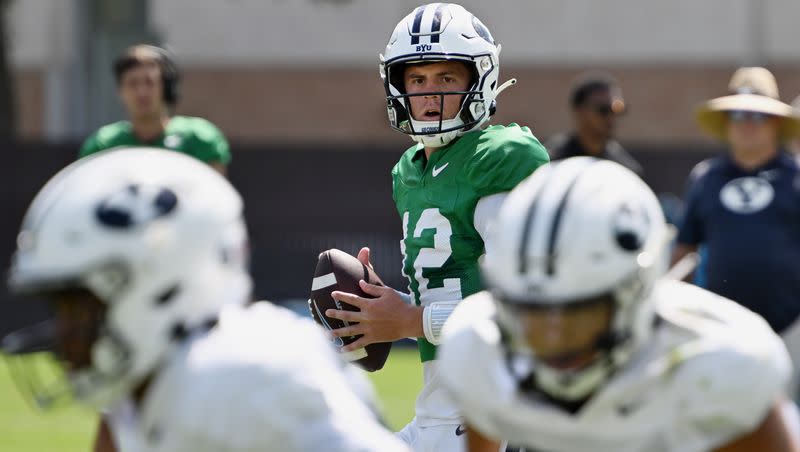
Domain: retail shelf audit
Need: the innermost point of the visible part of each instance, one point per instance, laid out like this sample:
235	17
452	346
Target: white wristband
433	318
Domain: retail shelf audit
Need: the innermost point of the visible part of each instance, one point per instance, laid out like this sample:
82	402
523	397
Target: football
337	270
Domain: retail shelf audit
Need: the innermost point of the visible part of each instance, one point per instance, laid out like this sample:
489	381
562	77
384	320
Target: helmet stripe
551	243
416	26
552	236
436	25
526	229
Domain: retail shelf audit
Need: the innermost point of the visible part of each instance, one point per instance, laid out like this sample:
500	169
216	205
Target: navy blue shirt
749	221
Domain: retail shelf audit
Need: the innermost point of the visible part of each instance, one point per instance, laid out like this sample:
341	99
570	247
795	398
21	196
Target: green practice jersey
436	201
193	136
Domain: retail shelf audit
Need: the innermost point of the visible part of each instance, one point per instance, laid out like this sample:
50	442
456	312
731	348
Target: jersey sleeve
486	215
211	145
733	392
303	398
503	159
691	228
289	411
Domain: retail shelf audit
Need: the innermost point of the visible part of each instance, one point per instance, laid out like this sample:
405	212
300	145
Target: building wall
307	69
347	105
571	32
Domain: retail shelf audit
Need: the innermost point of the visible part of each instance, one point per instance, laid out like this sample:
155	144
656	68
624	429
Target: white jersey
263	379
709	374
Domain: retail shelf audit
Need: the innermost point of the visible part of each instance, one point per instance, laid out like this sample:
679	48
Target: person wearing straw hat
744	206
794	145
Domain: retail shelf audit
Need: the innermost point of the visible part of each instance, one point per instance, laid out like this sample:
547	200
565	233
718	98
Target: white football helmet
157	236
578	230
442	32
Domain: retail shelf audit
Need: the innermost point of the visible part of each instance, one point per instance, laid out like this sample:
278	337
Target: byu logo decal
630	227
747	194
135	205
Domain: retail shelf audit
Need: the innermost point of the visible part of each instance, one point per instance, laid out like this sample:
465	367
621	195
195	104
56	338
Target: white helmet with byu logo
442	32
155	235
579	230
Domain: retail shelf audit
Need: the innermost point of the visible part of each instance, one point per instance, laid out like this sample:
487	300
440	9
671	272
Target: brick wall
347	106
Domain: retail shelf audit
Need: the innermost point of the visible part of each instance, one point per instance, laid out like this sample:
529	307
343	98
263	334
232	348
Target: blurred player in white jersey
583	344
142	256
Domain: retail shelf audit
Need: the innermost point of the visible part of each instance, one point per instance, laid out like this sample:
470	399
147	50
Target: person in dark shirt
596	103
744	206
794	145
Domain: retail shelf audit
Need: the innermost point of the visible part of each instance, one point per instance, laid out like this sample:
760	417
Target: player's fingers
373	289
347	316
360	343
364	257
352	330
349	298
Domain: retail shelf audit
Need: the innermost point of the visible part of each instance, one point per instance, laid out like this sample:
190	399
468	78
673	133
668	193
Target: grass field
22	429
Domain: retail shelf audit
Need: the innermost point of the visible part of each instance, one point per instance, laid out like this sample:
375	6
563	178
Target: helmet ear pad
170	87
170	77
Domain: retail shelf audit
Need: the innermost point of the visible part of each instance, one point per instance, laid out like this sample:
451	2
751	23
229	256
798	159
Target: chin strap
508	83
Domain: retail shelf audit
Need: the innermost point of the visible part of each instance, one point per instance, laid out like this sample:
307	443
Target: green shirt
436	201
193	136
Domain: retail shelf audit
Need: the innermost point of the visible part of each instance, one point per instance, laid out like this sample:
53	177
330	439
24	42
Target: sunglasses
751	116
607	109
602	109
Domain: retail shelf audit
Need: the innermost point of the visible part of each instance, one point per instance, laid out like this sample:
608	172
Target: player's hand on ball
385	318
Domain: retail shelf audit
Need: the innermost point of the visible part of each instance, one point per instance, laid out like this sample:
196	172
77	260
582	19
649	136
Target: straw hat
752	89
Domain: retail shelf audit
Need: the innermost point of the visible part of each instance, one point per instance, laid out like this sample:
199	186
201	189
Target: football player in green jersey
147	79
440	71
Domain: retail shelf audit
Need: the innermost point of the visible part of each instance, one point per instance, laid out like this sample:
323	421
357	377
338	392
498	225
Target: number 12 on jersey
420	256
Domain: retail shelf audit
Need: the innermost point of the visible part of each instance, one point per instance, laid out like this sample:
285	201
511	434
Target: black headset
170	76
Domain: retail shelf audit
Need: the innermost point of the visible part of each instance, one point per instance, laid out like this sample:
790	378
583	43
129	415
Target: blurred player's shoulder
701	314
725	352
201	128
474	315
471	335
221	390
198	137
710	371
261	337
114	130
106	137
223	383
471	356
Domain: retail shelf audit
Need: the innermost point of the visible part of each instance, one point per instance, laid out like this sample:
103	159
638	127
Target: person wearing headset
147	80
